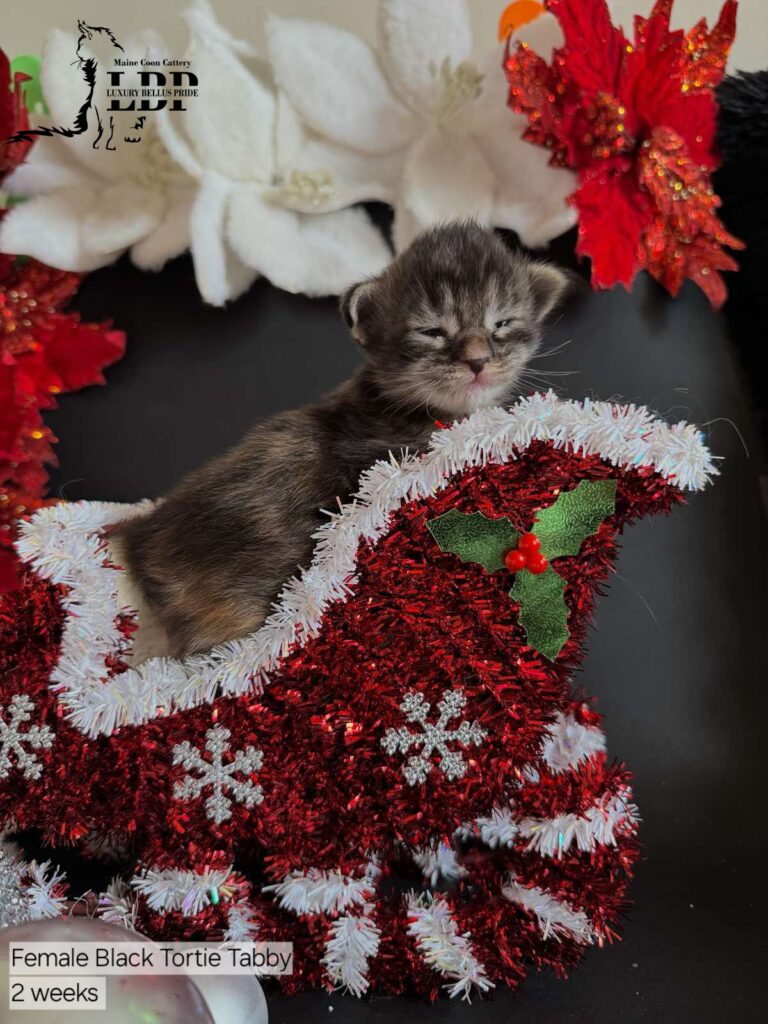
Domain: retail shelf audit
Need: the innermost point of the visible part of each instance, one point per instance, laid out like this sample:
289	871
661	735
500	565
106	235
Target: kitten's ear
84	29
352	306
550	285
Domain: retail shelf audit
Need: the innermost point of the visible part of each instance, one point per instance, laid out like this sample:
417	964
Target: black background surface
676	662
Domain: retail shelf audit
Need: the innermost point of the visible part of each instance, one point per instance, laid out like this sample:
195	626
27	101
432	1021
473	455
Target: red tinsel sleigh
405	712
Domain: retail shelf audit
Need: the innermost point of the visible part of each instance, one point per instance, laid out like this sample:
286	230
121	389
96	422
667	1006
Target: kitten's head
452	322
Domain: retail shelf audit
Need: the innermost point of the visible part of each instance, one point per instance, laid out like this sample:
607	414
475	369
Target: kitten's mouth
479	382
464	394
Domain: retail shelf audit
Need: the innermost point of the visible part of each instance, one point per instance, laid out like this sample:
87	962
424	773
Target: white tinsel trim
353	941
553	837
117	905
555	917
323	892
60	543
568	742
241	924
187	891
41	883
444	949
28	891
439	864
499	829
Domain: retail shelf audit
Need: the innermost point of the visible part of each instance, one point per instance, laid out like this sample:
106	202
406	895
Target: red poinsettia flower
13	117
43	352
636	120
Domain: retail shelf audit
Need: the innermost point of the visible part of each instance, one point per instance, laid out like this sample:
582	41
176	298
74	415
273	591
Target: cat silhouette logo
120	92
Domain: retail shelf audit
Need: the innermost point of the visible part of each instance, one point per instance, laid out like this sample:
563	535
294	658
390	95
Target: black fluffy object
742	184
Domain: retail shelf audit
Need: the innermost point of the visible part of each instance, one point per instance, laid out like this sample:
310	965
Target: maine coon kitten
446	329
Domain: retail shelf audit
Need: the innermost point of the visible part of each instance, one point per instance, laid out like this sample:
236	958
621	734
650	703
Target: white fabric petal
220	275
405	227
315	254
49	165
231	120
266	237
340	249
335	82
535	226
123	214
202	23
446	178
66	90
289	132
170	238
62	82
172	136
530	196
49	229
328	177
416	37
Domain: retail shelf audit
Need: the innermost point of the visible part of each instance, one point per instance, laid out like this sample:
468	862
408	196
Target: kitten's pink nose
476	365
476	353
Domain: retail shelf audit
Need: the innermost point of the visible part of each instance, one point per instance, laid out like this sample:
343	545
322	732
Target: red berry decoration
529	543
515	560
536	563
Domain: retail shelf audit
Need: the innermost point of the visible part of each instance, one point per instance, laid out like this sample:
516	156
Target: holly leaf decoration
561	529
474	537
576	515
543	611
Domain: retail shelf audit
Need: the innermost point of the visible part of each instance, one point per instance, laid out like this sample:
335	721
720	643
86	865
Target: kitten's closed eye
500	324
431	332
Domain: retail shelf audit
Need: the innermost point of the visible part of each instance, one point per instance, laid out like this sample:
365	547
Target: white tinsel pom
445	950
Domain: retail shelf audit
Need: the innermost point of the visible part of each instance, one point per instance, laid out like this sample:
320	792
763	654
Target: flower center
157	169
457	86
308	188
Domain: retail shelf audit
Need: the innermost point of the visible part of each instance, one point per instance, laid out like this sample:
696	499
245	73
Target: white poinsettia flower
90	203
257	174
424	100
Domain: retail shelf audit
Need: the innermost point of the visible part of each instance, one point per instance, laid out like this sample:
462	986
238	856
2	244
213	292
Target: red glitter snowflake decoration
636	121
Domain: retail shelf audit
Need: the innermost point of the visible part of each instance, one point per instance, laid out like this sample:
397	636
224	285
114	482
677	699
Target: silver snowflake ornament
14	739
217	776
433	737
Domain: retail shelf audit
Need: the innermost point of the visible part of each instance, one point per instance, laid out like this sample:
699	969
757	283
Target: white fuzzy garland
28	891
60	543
556	918
118	905
185	891
443	947
353	937
553	837
439	864
241	923
610	814
567	743
324	892
352	942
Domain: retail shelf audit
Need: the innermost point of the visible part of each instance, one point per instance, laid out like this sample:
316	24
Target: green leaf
29	65
474	537
543	611
576	515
